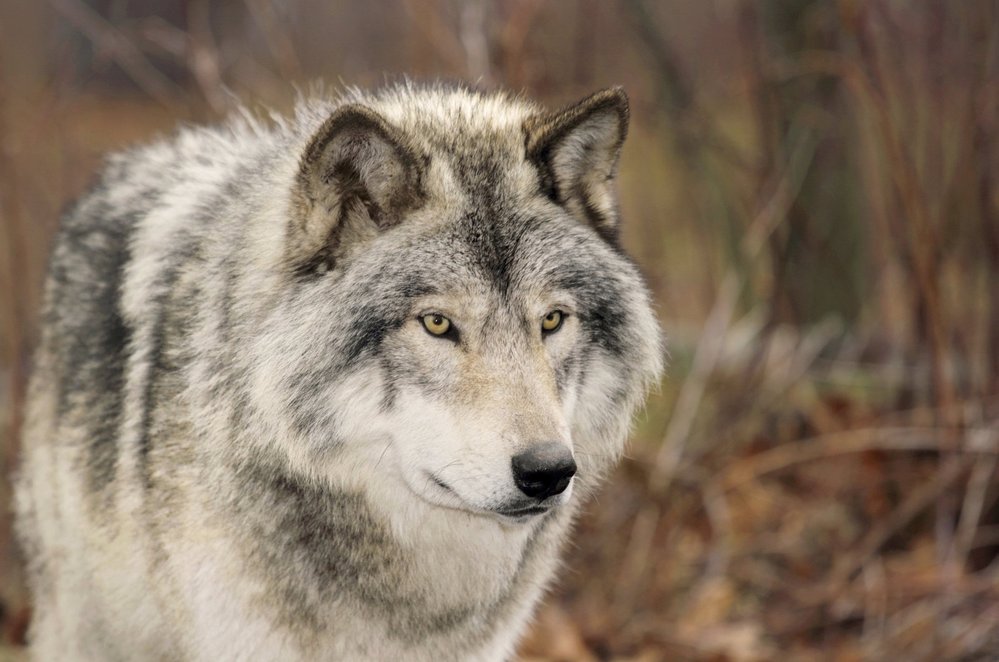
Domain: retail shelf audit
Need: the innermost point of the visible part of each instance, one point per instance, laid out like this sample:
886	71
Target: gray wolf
331	386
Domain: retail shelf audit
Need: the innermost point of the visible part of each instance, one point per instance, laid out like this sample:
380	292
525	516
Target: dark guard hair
355	165
576	150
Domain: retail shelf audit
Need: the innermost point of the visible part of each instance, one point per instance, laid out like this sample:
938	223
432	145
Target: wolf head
458	322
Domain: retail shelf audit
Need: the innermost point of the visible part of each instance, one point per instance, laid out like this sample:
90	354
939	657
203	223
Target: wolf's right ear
576	151
356	178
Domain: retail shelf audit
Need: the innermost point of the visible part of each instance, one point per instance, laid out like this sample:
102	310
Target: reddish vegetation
811	188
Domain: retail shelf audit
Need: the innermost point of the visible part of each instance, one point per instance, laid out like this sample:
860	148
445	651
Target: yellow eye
551	322
435	324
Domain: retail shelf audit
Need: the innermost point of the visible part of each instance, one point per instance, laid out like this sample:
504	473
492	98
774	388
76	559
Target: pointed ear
356	178
576	152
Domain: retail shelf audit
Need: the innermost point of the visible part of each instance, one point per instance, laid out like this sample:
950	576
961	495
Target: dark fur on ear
356	178
576	152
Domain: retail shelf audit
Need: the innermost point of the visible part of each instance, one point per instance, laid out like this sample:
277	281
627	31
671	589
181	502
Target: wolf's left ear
576	152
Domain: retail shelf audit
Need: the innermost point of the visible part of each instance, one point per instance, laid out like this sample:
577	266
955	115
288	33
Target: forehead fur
434	115
441	113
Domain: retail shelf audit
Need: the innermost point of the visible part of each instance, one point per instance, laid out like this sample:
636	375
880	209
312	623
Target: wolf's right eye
552	322
436	324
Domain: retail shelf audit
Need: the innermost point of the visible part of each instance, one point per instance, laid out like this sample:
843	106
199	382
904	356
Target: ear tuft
356	178
576	151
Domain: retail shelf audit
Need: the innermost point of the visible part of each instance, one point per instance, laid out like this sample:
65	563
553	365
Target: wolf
331	386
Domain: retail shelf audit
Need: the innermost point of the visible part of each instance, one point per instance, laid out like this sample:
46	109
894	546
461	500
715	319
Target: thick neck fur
411	571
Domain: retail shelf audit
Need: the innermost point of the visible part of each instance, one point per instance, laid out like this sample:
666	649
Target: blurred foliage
811	188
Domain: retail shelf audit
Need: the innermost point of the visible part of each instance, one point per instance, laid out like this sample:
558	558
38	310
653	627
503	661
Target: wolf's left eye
436	324
552	322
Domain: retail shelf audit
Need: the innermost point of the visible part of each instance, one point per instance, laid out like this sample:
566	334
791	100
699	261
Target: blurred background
811	187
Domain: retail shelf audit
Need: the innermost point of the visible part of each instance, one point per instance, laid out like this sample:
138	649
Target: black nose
544	470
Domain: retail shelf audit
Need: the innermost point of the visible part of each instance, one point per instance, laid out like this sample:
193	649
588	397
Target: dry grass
810	532
812	190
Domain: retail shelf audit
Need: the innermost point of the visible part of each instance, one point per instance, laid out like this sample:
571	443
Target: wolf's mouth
440	483
524	512
512	513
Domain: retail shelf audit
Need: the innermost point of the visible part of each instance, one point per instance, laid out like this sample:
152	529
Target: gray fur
240	442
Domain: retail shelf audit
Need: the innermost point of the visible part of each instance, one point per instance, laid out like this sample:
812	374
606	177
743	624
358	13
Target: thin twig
474	35
982	475
834	444
111	40
712	339
635	559
281	47
916	502
203	57
436	32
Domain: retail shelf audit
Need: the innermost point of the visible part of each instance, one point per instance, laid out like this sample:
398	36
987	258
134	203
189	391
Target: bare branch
109	39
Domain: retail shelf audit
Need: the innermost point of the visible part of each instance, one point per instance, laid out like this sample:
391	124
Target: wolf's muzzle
544	470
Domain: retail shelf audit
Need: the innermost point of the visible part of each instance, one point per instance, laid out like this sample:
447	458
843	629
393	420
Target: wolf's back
75	409
106	331
85	339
